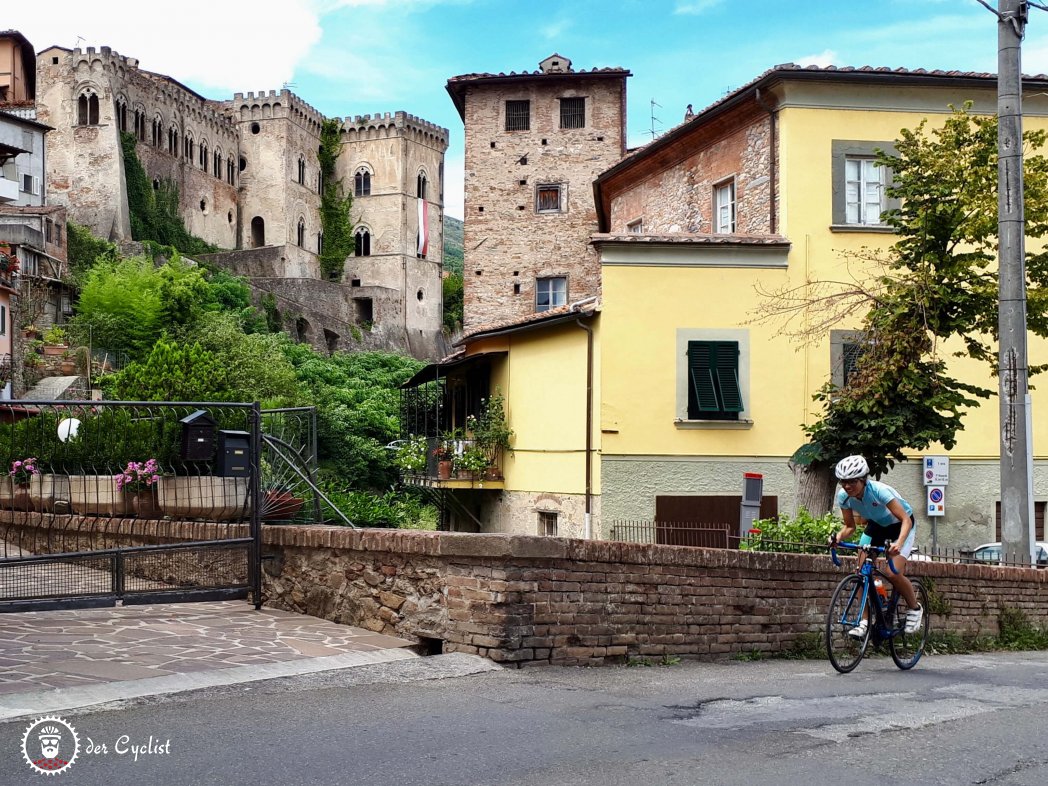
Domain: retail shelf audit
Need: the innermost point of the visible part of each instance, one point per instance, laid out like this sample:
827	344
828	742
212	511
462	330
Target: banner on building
423	228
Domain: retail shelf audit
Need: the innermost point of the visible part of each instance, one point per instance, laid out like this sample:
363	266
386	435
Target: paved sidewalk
54	660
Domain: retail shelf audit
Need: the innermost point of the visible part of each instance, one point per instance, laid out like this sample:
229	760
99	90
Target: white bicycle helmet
852	467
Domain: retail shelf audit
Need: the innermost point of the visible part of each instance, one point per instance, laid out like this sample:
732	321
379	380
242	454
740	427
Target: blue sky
350	57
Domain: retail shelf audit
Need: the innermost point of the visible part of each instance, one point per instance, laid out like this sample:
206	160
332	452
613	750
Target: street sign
936	471
936	501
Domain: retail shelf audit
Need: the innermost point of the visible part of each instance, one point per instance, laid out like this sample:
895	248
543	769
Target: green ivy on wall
154	211
334	207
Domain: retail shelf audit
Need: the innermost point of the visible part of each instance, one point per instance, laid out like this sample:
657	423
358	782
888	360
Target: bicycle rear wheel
907	648
845	612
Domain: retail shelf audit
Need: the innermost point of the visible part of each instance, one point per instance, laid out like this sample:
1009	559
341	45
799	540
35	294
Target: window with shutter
713	369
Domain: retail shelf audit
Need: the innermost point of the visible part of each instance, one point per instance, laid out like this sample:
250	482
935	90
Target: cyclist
889	519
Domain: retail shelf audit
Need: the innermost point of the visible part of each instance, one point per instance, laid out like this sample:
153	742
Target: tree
173	372
935	283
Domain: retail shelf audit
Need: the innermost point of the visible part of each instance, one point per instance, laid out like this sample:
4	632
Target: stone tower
535	142
248	175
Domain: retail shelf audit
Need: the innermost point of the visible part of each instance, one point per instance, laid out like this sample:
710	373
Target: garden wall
523	599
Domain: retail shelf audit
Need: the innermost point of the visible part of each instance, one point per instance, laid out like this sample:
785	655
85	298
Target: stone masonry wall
680	198
530	600
507	241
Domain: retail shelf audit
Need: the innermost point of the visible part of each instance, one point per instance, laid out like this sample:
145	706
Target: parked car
991	553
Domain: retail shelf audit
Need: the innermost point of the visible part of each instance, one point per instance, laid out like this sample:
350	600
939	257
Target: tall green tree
937	282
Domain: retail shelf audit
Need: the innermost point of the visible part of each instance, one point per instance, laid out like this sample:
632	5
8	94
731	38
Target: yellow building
770	186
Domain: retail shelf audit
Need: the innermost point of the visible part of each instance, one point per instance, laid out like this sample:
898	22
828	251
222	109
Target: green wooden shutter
700	369
727	369
713	369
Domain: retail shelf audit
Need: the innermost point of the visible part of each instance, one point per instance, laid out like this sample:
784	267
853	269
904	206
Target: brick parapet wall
529	599
523	599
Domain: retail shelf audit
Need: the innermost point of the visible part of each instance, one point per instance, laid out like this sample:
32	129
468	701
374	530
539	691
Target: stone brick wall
507	241
552	600
680	198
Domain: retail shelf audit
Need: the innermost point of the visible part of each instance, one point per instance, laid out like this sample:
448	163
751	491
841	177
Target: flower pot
51	350
444	470
492	473
68	367
14	496
97	495
145	504
49	493
204	497
280	505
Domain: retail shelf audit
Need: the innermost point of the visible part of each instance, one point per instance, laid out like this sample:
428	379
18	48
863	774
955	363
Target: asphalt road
953	720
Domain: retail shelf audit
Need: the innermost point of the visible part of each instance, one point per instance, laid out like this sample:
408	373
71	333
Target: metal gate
129	502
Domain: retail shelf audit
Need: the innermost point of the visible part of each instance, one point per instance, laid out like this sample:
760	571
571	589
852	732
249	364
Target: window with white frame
863	191
547	523
724	208
860	185
635	227
551	292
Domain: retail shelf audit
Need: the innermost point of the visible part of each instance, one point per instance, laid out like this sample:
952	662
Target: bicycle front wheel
847	610
907	648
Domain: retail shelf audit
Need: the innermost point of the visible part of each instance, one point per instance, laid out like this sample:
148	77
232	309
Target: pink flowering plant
22	470
138	476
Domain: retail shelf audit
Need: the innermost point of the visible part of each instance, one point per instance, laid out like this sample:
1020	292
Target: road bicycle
858	598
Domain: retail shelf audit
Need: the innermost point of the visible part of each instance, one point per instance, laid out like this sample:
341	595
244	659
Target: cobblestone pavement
67	649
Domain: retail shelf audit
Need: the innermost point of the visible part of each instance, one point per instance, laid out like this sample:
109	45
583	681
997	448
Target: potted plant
280	503
55	341
30	331
471	461
139	480
444	452
492	433
15	493
411	455
68	365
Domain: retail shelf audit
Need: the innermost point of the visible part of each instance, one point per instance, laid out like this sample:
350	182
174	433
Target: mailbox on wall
234	454
198	436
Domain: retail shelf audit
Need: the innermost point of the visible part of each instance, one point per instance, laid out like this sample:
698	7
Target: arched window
172	141
301	170
140	125
362	243
203	156
258	232
362	182
158	131
87	109
421	186
301	232
231	171
216	170
121	115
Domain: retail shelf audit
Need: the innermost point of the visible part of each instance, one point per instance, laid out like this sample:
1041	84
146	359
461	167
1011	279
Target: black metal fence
703	535
88	491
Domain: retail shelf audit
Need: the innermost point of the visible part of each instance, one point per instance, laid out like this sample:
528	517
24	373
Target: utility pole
1016	447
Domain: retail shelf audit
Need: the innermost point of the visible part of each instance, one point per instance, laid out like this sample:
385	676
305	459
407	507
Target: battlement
105	53
397	121
280	103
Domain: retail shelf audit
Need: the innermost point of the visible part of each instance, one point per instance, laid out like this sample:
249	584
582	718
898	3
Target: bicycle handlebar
856	547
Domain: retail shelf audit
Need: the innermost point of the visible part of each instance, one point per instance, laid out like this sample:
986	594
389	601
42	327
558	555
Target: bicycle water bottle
882	588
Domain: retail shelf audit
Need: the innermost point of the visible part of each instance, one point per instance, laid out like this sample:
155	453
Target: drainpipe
772	169
588	526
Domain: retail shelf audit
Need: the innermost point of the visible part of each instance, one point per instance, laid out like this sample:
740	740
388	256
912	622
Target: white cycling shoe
913	620
859	631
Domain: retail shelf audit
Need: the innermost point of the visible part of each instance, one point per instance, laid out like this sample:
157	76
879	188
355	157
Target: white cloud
555	30
696	6
825	58
222	46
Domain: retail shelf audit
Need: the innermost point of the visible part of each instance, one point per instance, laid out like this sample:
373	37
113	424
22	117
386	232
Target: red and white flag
423	228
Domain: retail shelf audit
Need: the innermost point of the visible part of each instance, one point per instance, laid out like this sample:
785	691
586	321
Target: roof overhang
435	371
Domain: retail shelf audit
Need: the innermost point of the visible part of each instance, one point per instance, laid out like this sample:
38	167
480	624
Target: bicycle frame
885	611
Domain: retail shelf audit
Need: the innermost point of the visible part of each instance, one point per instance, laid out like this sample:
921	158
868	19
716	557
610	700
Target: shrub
803	533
